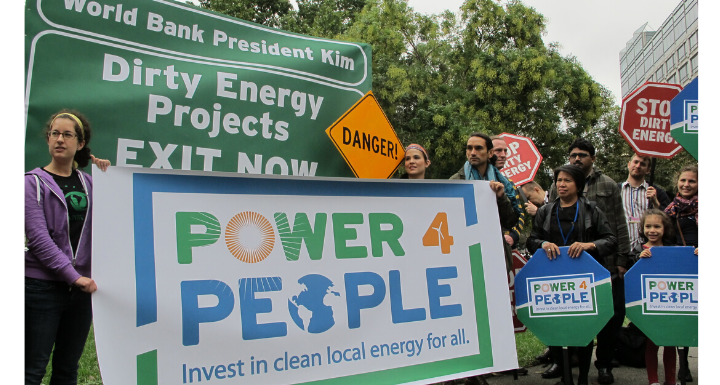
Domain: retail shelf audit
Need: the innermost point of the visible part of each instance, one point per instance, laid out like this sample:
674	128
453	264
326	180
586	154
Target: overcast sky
593	31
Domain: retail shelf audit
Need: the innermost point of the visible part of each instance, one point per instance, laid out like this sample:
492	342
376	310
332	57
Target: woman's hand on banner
86	284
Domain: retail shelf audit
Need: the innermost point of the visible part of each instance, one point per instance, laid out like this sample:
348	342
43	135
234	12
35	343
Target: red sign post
645	120
518	262
523	160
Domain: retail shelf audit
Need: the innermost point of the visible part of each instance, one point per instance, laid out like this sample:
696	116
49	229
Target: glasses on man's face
476	148
67	135
580	155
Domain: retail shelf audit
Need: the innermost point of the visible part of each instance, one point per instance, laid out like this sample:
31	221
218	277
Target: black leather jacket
592	226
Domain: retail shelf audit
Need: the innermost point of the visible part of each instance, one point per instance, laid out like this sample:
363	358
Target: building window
681	51
648	63
670	63
694	64
659	73
691	15
668	41
671	79
680	29
658	54
683	72
693	40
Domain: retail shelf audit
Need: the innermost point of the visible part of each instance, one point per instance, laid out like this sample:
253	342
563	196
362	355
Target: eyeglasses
67	135
476	148
580	155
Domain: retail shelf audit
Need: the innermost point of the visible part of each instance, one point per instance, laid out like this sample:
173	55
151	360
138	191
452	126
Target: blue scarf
471	173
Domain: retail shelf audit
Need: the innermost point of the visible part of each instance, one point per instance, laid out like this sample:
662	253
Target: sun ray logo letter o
248	220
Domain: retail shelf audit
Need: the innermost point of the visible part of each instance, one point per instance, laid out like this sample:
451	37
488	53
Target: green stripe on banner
438	368
147	371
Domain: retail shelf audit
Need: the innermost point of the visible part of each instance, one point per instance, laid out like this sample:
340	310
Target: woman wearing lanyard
571	220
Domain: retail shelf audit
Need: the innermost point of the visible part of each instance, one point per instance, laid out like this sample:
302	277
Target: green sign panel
661	295
565	301
684	118
168	85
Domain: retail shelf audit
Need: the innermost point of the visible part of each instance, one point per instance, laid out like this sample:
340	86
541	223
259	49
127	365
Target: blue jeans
55	314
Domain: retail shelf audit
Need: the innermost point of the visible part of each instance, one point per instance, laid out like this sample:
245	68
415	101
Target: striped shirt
635	203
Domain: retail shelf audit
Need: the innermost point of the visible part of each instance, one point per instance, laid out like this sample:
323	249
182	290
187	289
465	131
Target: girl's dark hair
668	237
82	156
575	173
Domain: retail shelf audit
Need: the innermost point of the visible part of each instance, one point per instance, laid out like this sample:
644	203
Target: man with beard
606	194
638	195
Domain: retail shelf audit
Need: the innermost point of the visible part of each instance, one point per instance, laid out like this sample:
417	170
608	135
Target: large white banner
229	279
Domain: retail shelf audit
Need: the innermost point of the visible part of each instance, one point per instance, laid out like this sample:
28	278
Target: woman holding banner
58	225
571	220
683	212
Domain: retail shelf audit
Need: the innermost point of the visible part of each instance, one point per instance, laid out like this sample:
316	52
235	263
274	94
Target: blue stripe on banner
146	184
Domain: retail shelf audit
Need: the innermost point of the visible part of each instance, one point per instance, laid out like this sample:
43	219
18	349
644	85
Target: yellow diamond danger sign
366	140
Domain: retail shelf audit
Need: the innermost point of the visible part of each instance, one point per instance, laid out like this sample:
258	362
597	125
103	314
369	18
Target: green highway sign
169	85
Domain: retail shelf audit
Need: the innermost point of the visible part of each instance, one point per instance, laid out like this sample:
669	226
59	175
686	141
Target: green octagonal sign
684	118
661	296
566	301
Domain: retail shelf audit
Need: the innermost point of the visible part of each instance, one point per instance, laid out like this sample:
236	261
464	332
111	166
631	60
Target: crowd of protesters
586	210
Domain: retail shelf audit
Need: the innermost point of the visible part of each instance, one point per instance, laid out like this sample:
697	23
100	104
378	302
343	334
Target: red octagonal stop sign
523	159
645	120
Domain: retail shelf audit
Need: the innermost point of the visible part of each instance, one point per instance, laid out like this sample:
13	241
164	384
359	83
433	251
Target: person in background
684	213
571	220
58	227
536	196
500	150
416	162
638	195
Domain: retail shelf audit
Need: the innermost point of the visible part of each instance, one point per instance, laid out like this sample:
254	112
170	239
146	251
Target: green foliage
528	347
267	12
440	77
613	153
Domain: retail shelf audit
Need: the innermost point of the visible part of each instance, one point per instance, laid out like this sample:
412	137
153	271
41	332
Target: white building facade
668	55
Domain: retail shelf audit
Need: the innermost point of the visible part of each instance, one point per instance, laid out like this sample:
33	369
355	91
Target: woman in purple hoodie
58	224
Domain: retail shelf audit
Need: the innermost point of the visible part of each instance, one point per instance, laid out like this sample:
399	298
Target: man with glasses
500	151
606	194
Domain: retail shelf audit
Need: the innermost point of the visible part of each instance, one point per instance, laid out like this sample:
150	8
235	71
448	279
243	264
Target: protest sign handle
652	170
566	366
683	368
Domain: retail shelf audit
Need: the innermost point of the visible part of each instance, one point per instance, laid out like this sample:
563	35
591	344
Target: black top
567	216
689	229
76	201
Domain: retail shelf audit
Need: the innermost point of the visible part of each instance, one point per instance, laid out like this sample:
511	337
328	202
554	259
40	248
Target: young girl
656	229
